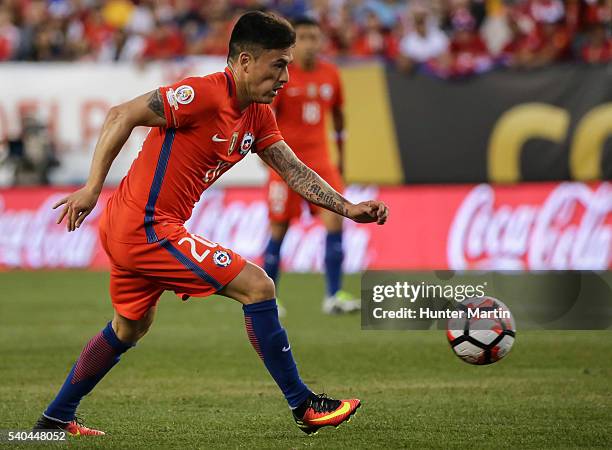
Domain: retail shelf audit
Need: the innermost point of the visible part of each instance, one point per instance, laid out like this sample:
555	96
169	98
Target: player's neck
307	64
242	96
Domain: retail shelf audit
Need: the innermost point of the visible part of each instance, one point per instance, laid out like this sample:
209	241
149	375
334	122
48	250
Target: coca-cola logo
570	229
30	238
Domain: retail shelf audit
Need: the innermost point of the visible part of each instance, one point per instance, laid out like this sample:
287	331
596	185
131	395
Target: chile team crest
247	142
222	258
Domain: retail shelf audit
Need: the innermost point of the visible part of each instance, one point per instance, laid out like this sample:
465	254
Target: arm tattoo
156	105
303	179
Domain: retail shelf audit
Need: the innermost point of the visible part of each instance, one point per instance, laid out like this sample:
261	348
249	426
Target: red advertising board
527	226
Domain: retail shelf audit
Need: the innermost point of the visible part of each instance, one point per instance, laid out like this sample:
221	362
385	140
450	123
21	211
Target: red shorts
284	204
182	262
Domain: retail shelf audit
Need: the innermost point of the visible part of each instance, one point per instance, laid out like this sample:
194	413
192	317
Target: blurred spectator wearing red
540	34
468	54
375	40
9	35
166	43
598	46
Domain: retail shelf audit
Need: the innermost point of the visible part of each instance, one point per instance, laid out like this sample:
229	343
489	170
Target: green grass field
195	382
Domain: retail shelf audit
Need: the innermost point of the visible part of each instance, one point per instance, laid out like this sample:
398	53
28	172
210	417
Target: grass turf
195	381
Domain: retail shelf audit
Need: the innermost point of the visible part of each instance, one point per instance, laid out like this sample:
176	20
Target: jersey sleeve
267	129
186	101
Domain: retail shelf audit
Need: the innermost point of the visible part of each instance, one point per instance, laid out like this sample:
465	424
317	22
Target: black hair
256	31
304	20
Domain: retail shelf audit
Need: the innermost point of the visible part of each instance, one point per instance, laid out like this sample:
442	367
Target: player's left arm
338	120
313	188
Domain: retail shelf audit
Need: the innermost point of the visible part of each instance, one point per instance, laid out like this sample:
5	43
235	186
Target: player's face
267	74
308	41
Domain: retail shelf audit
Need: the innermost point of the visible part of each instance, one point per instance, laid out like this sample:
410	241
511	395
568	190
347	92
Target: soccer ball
484	333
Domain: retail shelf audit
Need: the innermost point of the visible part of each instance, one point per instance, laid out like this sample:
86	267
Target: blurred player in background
302	110
200	128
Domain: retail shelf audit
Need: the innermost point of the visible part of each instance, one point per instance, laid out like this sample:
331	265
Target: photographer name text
433	314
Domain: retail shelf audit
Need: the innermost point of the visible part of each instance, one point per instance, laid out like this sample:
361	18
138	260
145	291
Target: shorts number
194	251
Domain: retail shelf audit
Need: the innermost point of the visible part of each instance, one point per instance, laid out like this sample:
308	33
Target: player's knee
131	331
143	328
127	334
278	230
261	289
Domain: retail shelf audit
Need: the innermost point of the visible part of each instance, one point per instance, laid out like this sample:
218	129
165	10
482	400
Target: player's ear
245	60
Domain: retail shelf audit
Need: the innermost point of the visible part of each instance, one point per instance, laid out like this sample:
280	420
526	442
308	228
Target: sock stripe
248	321
97	355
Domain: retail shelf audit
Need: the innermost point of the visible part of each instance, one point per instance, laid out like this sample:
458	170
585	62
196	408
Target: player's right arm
306	182
146	110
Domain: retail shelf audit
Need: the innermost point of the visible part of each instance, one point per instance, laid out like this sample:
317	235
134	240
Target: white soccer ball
484	333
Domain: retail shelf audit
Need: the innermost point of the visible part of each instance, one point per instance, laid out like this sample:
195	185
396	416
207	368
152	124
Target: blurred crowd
28	157
445	37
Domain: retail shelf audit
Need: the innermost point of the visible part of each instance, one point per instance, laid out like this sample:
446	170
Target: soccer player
200	128
301	111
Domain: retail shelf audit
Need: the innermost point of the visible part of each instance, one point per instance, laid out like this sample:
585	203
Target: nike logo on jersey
286	349
216	138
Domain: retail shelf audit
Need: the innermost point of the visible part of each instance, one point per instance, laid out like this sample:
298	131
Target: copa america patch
222	258
184	94
247	143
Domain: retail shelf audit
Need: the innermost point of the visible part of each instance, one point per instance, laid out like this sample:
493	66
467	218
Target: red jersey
206	135
302	108
597	54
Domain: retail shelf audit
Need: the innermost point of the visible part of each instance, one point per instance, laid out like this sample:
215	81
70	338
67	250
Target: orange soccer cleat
74	428
321	411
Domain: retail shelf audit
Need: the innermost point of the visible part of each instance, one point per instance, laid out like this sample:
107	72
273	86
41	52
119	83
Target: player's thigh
133	295
252	285
283	203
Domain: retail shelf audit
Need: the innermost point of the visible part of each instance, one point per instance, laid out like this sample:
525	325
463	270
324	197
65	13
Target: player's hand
77	207
370	211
